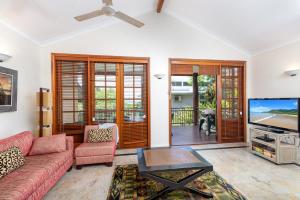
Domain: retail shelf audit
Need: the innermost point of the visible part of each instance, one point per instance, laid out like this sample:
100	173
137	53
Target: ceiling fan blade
107	2
90	15
128	19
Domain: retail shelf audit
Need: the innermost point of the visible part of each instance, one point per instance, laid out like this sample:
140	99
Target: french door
232	105
230	94
96	90
134	106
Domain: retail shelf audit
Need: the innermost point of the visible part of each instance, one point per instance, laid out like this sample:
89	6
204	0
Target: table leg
180	185
192	177
198	192
164	191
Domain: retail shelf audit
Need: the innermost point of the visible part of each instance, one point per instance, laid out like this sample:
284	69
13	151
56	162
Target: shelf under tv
282	150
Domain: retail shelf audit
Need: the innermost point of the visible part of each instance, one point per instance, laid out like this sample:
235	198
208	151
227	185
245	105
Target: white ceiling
253	26
47	20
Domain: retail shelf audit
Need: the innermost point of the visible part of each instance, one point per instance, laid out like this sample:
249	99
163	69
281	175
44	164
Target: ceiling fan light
108	10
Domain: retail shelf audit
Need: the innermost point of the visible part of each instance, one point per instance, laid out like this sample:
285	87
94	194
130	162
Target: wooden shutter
71	98
182	70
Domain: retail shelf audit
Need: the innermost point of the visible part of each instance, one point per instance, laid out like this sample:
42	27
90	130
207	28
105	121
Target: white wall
267	73
25	59
268	78
163	37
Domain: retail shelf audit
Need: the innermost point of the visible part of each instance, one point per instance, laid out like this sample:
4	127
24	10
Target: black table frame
149	172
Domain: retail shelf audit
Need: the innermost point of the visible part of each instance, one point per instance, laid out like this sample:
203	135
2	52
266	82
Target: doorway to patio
207	101
193	109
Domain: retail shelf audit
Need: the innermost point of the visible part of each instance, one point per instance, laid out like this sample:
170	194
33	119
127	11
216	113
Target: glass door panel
134	125
104	88
133	96
232	104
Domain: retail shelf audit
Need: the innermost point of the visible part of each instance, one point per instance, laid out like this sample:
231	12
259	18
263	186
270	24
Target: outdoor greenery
207	100
207	92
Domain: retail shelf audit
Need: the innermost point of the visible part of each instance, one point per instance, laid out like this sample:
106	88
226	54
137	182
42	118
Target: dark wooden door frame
206	62
99	58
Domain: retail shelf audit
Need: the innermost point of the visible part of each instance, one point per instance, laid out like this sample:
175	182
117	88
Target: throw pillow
10	160
100	135
49	144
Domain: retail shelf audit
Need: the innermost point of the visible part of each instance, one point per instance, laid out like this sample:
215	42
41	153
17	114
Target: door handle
144	116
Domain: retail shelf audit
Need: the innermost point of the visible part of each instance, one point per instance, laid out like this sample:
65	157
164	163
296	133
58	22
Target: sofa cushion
49	144
100	135
10	160
22	140
95	149
21	183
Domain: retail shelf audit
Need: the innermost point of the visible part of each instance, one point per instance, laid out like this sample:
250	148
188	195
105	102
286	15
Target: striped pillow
100	135
10	160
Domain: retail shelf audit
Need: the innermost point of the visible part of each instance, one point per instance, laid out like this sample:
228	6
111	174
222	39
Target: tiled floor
255	177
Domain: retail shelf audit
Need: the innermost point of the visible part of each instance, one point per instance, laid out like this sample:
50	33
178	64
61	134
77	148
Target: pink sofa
92	153
39	174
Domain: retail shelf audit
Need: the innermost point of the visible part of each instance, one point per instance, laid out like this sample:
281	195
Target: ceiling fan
108	10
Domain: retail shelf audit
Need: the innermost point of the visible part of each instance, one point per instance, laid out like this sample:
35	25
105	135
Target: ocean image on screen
278	113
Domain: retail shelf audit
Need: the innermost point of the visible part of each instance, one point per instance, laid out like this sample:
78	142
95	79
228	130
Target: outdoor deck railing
182	116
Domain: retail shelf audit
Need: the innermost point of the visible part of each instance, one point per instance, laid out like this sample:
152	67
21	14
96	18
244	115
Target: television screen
276	113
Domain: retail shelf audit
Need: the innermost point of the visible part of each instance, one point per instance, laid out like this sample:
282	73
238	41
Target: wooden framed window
91	89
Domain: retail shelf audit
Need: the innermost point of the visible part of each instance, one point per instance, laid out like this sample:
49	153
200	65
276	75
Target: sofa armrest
70	143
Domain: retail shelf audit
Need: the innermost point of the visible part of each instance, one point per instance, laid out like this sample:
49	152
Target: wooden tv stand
282	150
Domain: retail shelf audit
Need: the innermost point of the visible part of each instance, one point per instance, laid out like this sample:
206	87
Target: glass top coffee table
167	159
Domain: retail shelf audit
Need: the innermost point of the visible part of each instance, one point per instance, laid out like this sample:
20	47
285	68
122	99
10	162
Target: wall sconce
159	76
4	57
293	72
195	69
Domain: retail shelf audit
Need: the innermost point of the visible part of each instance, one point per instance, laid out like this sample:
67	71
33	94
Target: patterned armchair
92	153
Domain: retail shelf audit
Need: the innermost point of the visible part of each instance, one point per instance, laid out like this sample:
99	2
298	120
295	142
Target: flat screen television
276	113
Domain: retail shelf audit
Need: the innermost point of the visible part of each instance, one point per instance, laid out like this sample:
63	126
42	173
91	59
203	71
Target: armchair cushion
89	127
100	135
95	149
49	144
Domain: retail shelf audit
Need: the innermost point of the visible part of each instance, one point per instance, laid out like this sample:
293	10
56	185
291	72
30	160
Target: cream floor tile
255	177
91	182
125	151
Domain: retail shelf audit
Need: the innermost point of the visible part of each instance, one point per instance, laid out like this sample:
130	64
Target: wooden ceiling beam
160	5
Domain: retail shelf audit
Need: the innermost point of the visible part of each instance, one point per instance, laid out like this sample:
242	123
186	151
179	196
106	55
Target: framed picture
8	89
